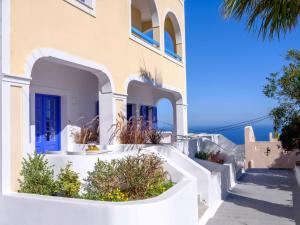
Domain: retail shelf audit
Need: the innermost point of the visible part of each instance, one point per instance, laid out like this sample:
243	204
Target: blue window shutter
97	108
129	111
144	112
154	117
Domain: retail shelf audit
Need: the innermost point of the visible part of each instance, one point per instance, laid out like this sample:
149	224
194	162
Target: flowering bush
132	178
102	180
115	196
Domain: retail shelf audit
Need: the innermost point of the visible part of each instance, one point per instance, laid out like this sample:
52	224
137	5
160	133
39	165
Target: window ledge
145	44
89	9
180	63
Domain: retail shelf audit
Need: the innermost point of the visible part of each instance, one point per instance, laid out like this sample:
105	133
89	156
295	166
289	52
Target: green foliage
273	17
114	196
210	156
290	136
37	176
285	88
138	173
68	183
159	188
131	178
202	155
102	180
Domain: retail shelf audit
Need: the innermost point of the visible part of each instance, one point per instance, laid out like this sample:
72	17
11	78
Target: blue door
47	123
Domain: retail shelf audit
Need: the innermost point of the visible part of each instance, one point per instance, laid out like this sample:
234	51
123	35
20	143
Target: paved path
262	197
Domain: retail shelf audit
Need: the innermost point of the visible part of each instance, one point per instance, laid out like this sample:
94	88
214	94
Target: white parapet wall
177	206
297	173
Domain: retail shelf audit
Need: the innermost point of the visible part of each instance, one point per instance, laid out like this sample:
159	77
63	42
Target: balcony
173	54
172	37
147	38
145	23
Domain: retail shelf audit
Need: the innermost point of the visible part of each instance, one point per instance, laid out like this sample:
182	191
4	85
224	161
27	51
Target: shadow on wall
286	159
263	154
147	77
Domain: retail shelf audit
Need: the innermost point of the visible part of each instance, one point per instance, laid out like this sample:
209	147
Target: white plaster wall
1	76
176	206
200	173
1	132
78	90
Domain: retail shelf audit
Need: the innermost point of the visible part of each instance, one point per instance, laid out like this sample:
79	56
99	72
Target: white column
108	110
180	120
106	116
7	82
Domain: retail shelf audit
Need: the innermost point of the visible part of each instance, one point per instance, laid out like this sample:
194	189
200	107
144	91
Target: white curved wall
176	206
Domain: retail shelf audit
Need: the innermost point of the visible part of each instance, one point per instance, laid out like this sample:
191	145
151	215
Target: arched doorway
143	98
64	94
165	115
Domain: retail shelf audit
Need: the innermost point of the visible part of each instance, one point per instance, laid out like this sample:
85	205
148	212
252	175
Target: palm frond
271	17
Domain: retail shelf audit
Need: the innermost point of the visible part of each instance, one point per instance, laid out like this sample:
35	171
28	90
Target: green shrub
210	156
131	178
68	183
159	188
102	180
138	173
37	176
202	155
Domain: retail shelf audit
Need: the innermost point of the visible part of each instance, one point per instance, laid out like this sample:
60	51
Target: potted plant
87	134
134	133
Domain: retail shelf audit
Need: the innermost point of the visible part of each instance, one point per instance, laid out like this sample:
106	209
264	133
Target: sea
237	135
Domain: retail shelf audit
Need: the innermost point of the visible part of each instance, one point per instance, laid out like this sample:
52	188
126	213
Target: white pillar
180	120
109	107
7	82
1	134
106	117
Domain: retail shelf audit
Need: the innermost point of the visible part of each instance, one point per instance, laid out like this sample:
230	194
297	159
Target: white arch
73	61
175	22
155	15
173	90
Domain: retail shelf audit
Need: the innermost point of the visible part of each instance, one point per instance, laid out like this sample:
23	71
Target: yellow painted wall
103	39
16	133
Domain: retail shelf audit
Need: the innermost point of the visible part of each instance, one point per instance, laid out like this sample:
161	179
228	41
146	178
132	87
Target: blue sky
227	67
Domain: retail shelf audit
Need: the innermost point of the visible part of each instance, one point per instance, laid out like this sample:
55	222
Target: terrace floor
261	197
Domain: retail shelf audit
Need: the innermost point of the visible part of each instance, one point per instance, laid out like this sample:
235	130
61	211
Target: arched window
144	21
172	37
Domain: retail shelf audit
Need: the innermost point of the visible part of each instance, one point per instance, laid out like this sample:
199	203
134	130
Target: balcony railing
144	37
173	54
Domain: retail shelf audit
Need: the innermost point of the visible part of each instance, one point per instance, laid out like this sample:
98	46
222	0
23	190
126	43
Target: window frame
82	5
